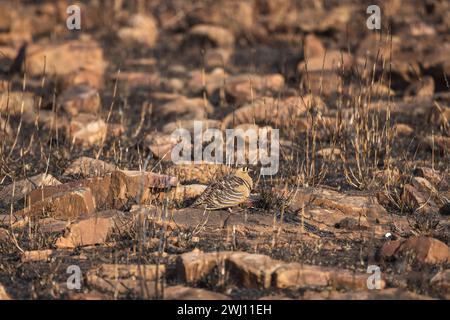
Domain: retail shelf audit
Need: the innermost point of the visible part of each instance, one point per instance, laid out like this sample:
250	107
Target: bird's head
243	171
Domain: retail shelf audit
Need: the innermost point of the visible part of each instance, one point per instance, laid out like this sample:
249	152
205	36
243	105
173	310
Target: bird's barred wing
228	192
206	194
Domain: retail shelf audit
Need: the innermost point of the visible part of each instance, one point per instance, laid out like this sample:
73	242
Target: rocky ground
87	181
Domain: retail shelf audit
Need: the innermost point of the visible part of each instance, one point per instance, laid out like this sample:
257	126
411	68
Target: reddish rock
313	46
3	294
441	280
420	28
194	266
332	60
161	145
402	129
141	30
141	62
37	255
423	88
217	57
424	249
252	270
413	197
350	280
64	59
66	205
336	18
421	195
321	83
19	189
120	223
297	275
246	87
390	248
330	218
187	293
424	185
45	192
86	231
79	99
189	125
14	102
237	16
352	205
284	16
427	249
19	29
184	108
82	77
137	79
199	80
174	84
99	187
129	184
375	90
219	36
435	177
87	130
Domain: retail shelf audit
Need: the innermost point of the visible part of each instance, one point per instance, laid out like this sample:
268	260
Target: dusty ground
364	120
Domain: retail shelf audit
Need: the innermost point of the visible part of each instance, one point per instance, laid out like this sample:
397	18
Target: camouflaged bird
227	192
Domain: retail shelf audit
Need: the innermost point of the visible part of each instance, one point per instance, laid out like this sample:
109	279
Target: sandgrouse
227	192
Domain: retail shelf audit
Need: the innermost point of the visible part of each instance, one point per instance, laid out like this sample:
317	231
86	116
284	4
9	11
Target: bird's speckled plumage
229	191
